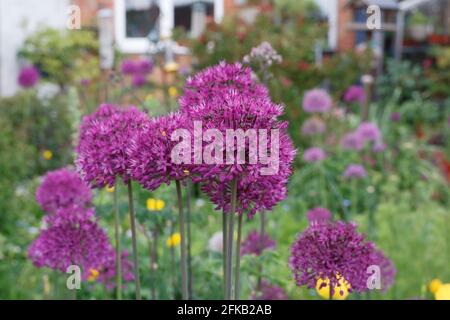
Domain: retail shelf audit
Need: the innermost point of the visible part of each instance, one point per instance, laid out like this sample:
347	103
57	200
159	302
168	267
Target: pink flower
317	100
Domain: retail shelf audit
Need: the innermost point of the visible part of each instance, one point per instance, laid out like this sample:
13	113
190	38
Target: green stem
134	241
183	242
237	282
118	249
354	200
261	244
224	248
189	239
230	231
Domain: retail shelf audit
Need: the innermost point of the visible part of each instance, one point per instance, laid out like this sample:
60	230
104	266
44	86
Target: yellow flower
340	291
93	274
47	154
174	240
173	92
155	204
434	285
109	189
443	292
171	67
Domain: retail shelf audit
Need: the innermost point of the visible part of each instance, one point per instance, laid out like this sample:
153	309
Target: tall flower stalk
118	247
134	240
184	277
230	235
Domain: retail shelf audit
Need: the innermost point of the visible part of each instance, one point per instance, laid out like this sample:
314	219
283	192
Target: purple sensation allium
255	244
224	97
62	188
150	152
331	250
107	273
352	141
395	116
264	55
84	244
318	215
314	155
72	214
387	269
104	138
355	94
317	100
128	67
313	126
28	77
355	171
144	66
369	132
138	80
269	292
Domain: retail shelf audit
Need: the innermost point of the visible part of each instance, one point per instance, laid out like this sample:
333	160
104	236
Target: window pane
140	19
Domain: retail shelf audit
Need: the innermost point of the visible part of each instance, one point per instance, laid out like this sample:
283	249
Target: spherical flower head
355	171
269	292
103	142
72	214
355	94
62	188
150	152
28	77
128	67
144	66
138	80
352	141
331	251
317	100
318	215
395	116
313	155
255	243
83	244
107	272
369	132
387	269
313	126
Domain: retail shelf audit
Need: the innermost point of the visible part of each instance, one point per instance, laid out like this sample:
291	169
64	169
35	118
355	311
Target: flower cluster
264	55
104	137
269	292
28	77
367	132
355	94
138	70
255	243
107	272
314	155
355	171
318	215
317	100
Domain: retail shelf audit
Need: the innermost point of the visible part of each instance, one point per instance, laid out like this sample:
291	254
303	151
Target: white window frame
166	23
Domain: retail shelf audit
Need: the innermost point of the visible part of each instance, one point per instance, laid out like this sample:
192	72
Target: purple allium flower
314	155
62	188
128	67
317	100
226	97
255	243
352	141
138	80
355	94
313	126
144	66
395	116
107	273
369	131
269	292
150	152
318	215
104	138
331	250
84	244
72	214
28	77
387	269
355	171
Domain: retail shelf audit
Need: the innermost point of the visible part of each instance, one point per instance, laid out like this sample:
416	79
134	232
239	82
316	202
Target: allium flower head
255	243
62	188
313	126
226	97
317	100
103	140
107	273
395	116
318	215
314	155
269	292
387	269
150	152
369	131
331	251
72	214
355	171
128	67
28	77
144	66
83	244
138	80
352	141
355	94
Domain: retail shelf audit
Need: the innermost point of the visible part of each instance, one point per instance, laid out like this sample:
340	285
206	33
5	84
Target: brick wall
346	38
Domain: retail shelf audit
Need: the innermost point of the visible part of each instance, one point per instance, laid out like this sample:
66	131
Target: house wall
18	19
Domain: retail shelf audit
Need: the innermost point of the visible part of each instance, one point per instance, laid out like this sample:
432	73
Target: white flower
215	243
